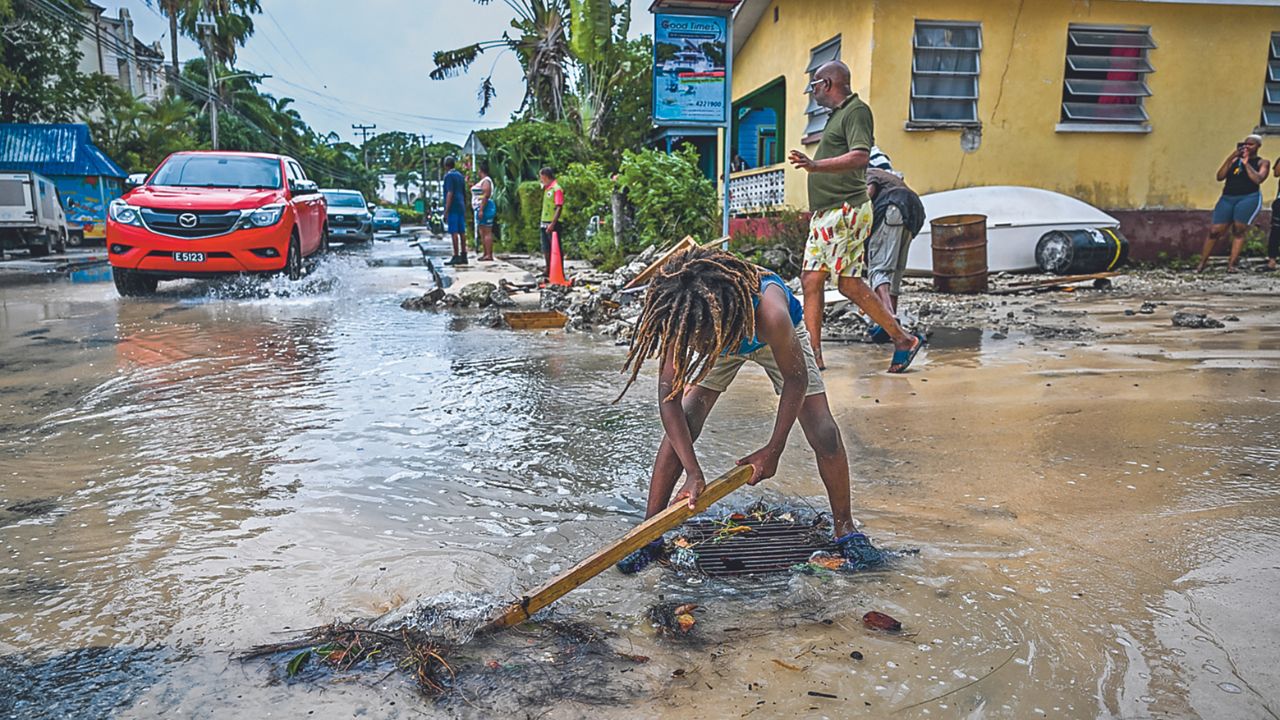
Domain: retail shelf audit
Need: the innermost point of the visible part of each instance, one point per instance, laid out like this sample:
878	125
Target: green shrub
1255	242
587	189
523	235
671	197
408	215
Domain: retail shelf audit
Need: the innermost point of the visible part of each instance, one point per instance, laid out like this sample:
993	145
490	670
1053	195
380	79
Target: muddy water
193	474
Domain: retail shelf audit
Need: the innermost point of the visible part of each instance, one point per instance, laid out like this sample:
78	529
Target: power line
386	111
289	40
64	11
71	15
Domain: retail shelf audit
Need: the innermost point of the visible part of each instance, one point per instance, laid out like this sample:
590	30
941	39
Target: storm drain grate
769	546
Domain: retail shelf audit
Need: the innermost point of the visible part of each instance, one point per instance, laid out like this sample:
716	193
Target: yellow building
1130	105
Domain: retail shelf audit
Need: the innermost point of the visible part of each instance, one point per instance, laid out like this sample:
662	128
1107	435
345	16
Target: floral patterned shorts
838	241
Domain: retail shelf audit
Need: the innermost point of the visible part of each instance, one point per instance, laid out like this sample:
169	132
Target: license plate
188	257
346	232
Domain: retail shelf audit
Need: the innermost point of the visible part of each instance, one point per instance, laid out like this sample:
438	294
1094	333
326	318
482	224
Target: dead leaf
686	622
880	621
685	609
786	665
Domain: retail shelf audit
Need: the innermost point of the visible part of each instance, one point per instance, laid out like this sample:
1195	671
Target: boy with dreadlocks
706	313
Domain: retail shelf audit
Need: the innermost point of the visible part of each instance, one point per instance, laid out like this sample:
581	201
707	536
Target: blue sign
689	54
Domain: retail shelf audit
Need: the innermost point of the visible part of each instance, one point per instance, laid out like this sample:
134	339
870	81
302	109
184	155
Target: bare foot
1271	264
1231	269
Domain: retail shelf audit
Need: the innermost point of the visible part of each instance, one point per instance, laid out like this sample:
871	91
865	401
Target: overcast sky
367	61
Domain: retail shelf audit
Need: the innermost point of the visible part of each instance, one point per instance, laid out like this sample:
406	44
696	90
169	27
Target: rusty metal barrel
960	253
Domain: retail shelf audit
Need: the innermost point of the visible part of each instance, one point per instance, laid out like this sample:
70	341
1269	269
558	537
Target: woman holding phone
1241	174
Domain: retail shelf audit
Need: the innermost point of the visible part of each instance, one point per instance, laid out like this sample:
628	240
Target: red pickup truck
204	213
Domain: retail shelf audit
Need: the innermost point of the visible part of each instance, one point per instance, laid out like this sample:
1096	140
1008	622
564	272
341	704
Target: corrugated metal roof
54	150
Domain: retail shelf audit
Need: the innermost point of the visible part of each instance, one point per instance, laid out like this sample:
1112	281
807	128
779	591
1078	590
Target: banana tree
541	43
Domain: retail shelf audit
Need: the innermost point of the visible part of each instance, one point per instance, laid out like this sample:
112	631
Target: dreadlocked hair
699	303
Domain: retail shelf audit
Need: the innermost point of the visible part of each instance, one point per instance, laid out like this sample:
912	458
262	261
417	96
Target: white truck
31	214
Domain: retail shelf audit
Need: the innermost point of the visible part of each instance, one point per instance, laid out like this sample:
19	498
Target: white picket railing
757	190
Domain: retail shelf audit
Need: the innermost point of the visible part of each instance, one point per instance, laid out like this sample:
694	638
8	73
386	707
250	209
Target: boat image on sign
1017	219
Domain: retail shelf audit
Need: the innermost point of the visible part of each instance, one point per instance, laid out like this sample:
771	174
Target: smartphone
1239	146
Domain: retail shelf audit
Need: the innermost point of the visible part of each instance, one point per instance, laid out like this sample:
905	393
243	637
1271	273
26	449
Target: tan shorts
727	367
887	251
838	241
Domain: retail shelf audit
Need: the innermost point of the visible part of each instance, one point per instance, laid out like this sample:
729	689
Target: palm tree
404	180
605	62
171	9
541	44
232	20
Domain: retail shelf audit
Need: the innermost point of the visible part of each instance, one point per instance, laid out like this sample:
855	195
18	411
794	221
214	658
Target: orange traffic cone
557	263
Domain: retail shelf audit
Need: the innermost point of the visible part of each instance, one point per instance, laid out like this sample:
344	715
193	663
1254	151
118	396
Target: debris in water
830	562
786	665
673	618
437	643
685	621
879	621
342	647
815	693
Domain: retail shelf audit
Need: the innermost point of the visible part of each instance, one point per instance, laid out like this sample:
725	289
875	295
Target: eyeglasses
813	86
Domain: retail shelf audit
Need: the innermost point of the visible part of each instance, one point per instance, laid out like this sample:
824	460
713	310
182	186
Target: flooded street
184	477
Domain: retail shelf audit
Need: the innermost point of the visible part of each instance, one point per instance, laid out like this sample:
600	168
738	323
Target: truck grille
178	223
343	220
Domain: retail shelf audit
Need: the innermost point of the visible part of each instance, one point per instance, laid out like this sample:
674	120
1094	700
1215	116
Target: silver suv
350	216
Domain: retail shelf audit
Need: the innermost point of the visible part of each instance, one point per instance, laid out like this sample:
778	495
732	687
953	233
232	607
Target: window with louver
816	114
945	64
1271	91
1105	77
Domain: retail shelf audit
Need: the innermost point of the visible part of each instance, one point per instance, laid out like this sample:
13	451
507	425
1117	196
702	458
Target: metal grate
770	546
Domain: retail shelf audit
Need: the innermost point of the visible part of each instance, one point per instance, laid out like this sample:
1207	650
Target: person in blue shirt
455	210
706	314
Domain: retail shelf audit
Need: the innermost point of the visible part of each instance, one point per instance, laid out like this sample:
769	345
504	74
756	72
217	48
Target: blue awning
54	150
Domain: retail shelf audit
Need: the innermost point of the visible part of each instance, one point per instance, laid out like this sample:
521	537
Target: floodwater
188	476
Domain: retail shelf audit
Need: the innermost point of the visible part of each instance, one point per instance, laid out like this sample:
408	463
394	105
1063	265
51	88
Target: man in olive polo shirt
842	213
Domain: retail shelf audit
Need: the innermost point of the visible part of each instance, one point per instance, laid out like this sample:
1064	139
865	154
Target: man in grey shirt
898	217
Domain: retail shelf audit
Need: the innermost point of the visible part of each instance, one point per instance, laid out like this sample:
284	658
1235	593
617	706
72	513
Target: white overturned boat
1017	217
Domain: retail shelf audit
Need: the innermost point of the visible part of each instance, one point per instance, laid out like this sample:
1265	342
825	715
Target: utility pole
365	131
206	36
423	139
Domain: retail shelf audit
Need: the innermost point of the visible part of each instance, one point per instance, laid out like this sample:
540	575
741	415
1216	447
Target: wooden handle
685	244
639	536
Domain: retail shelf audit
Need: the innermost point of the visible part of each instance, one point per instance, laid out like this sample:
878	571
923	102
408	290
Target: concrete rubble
596	302
1196	321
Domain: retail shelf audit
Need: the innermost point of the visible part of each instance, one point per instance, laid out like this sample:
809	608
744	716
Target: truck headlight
265	216
124	213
